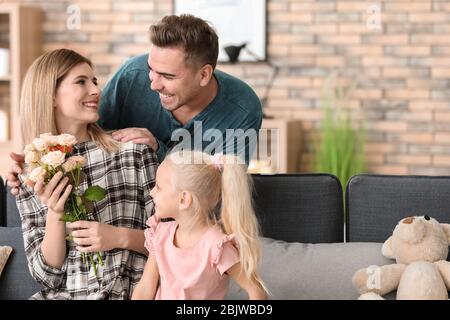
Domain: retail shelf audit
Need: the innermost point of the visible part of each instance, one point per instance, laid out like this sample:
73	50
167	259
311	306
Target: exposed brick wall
109	32
404	71
404	68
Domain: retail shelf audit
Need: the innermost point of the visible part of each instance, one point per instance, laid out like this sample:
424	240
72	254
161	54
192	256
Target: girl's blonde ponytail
238	216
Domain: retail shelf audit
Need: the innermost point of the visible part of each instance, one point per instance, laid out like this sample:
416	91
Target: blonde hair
228	189
39	90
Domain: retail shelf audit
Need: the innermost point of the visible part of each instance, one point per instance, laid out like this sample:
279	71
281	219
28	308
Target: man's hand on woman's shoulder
15	169
136	135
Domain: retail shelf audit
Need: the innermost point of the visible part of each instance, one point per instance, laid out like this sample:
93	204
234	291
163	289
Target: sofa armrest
16	282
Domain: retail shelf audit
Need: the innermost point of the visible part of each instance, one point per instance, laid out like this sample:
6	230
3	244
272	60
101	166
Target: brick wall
108	31
403	69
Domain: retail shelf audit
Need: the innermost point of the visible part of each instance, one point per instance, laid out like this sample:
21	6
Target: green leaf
94	193
68	217
88	205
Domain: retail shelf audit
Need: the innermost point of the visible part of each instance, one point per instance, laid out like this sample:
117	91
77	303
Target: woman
60	95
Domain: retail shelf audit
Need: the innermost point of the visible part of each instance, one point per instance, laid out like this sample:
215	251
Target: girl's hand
50	194
254	290
93	236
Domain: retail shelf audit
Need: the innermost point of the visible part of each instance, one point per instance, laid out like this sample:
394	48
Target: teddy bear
419	244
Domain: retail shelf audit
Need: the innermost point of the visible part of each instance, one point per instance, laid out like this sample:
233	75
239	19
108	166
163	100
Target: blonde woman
193	256
60	95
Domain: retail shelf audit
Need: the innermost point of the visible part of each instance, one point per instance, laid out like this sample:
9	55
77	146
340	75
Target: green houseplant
340	147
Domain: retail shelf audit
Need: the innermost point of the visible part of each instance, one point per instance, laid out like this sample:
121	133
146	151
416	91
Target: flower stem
99	256
94	265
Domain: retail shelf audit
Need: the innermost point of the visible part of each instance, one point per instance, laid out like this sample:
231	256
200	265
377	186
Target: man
174	94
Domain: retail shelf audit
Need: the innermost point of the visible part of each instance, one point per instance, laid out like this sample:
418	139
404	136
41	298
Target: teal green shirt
128	101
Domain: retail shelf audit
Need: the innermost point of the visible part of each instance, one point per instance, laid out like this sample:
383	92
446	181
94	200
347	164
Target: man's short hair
198	39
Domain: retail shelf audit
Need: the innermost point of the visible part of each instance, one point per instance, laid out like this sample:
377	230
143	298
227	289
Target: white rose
29	148
31	157
54	158
73	162
45	135
79	160
69	165
37	173
66	139
32	166
51	139
40	144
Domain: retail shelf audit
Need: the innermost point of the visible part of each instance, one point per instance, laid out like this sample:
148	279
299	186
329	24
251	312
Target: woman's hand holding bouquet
48	160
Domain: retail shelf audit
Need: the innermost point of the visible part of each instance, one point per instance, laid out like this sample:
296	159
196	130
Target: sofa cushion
16	282
300	207
313	271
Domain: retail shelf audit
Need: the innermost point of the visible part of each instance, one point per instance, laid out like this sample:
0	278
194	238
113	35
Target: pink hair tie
217	161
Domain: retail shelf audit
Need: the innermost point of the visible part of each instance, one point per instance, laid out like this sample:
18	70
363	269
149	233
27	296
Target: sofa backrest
2	203
376	203
291	207
12	216
303	208
9	214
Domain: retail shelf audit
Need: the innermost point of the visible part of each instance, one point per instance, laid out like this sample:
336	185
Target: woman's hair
226	189
197	38
39	90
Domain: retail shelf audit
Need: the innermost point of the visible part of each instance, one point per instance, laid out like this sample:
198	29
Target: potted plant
340	148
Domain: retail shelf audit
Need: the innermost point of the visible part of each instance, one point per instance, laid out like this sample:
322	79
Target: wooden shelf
23	25
283	145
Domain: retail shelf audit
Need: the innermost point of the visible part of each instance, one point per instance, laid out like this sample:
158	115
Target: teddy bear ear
446	228
386	250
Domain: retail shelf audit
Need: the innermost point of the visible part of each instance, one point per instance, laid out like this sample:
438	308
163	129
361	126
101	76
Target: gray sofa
302	219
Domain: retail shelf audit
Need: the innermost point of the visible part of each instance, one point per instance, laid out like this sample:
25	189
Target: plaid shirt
128	176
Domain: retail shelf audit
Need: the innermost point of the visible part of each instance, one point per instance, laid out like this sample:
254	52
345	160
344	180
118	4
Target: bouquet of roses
49	154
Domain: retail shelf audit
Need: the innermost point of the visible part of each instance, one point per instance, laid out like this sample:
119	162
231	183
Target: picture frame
238	23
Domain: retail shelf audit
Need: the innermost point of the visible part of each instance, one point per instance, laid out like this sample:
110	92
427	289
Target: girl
60	95
193	256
